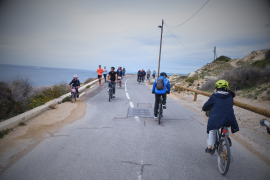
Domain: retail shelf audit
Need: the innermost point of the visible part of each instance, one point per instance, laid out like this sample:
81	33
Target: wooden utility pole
160	47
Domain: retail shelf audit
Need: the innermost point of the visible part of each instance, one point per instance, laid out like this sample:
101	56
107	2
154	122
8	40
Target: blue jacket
166	86
222	113
75	83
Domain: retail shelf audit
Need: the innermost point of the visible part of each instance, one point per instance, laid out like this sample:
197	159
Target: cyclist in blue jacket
161	92
221	114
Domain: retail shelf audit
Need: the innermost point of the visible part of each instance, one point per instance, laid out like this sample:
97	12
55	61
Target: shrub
241	78
66	99
222	58
261	63
89	80
191	79
88	86
4	132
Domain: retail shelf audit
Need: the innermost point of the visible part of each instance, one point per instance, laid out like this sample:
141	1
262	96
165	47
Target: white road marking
127	96
92	86
125	88
82	94
131	105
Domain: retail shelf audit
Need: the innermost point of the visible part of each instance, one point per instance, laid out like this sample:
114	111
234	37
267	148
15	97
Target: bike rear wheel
224	156
109	95
159	113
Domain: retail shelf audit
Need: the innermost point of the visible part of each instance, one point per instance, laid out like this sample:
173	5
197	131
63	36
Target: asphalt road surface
121	140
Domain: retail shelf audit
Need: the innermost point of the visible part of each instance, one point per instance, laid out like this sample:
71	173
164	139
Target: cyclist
161	87
222	114
124	71
154	74
139	75
112	77
148	74
105	72
99	71
75	83
143	75
120	74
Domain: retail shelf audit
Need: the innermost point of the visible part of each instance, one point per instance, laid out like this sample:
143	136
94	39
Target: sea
43	76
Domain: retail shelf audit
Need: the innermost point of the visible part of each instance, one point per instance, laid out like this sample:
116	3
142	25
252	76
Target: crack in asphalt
52	135
137	164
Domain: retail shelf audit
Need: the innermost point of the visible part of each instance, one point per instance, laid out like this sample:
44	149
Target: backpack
160	84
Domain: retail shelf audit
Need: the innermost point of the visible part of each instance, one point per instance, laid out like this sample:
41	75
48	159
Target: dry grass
89	80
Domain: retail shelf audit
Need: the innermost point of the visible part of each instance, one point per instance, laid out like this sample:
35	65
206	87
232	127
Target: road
114	141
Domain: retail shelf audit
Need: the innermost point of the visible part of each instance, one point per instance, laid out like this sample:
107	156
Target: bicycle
73	94
139	80
119	82
160	109
223	149
110	91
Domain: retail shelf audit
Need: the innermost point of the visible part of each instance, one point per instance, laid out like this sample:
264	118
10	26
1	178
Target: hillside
248	76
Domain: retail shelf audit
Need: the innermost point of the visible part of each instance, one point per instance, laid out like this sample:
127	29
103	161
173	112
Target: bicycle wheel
224	156
109	95
159	113
72	97
75	96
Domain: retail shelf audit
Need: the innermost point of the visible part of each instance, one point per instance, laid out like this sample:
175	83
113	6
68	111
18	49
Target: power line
190	17
175	37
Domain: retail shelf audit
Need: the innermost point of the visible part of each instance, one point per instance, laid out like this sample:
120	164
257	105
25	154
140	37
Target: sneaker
99	83
108	90
230	141
155	116
164	106
208	150
78	96
113	95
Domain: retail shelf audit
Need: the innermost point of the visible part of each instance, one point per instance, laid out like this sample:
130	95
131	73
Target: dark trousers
157	96
105	75
113	86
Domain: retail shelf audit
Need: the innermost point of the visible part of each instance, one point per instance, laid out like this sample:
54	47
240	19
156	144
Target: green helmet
222	84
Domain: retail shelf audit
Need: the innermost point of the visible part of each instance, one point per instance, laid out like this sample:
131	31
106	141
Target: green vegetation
222	58
88	86
66	99
4	132
191	79
261	63
22	124
47	95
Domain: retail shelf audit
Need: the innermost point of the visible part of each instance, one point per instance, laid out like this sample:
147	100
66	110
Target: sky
82	34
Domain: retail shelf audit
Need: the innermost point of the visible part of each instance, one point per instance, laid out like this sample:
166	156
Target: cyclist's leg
211	139
77	92
105	77
156	104
113	87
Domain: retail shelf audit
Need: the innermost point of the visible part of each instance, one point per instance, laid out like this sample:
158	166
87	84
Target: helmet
222	84
75	76
163	74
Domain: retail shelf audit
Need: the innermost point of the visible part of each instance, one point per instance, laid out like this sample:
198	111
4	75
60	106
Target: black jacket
222	113
75	83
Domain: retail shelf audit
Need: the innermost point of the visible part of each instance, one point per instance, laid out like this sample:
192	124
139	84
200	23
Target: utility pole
160	46
215	53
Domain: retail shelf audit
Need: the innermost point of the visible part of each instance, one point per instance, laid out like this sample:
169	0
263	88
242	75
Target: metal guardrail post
255	109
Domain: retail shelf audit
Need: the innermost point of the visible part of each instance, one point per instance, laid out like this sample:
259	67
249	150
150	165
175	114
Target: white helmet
75	76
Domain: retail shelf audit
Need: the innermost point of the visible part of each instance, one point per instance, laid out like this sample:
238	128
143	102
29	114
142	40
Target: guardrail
255	109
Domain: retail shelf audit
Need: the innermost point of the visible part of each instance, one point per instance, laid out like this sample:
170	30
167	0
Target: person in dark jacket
75	83
221	114
139	74
120	74
143	74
